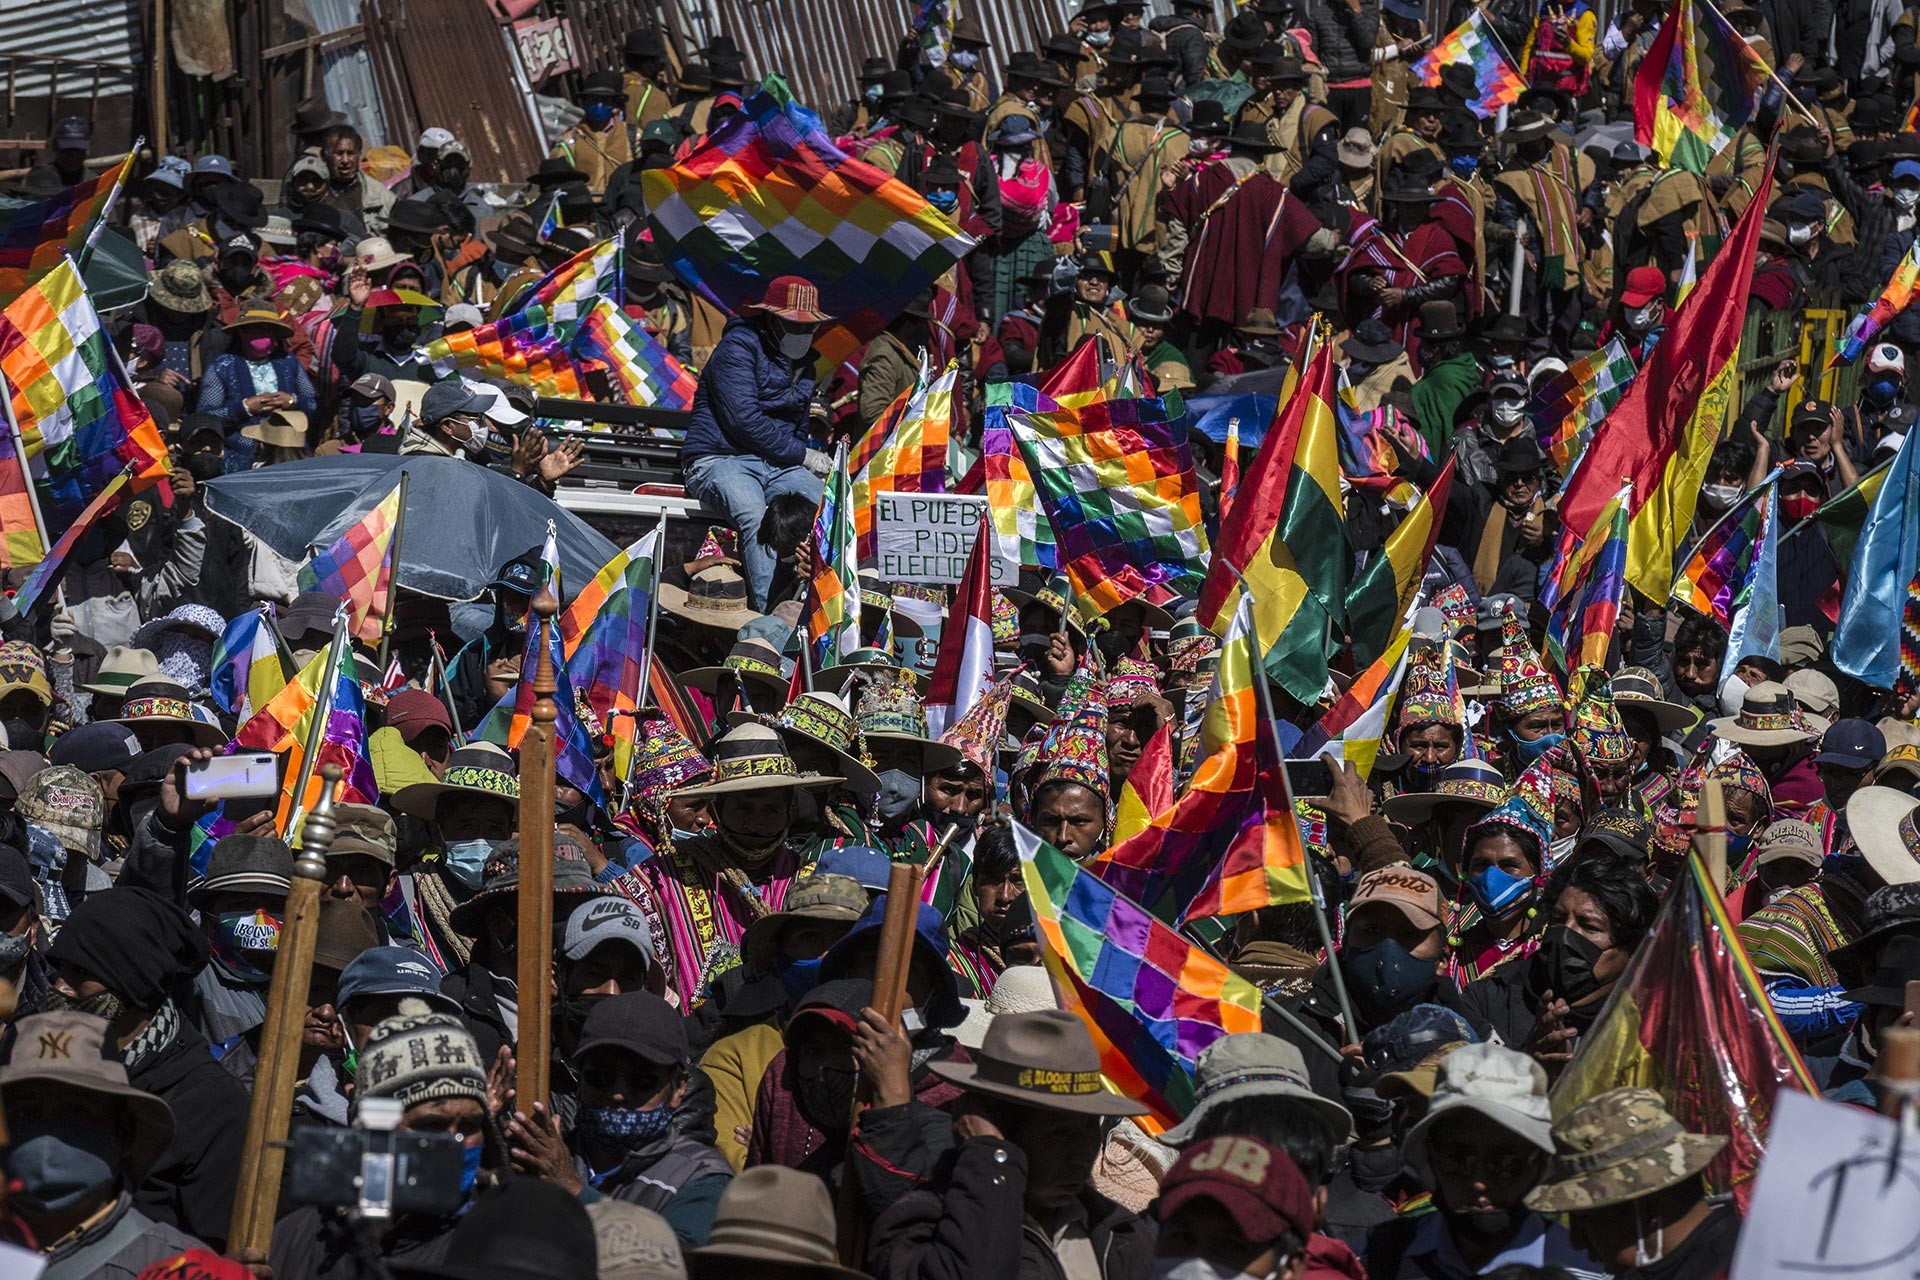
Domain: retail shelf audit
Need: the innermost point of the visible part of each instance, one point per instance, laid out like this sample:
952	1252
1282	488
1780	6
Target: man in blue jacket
747	440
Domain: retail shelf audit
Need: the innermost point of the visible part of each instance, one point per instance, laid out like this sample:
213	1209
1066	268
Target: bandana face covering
621	1130
238	936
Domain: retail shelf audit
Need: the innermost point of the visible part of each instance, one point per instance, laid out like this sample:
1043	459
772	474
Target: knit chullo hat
1006	620
1430	694
420	1056
1525	683
1131	680
665	759
978	734
1075	749
1597	729
1456	606
1526	813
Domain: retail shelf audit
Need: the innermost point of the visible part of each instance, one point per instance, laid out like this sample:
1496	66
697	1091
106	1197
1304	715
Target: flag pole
646	661
437	670
535	924
26	472
317	730
106	210
1739	508
1771	73
393	577
1272	1005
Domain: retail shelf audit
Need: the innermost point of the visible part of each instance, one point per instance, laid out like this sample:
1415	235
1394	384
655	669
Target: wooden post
536	872
1710	833
159	89
1898	1064
265	1154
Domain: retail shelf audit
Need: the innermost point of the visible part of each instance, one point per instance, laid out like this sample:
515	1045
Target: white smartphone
234	777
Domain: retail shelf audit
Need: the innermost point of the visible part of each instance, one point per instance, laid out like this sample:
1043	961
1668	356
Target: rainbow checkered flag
358	567
639	364
35	237
833	626
1475	43
906	451
531	344
768	194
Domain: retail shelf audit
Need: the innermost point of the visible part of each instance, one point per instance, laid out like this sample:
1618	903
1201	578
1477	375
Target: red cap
1643	285
196	1264
1259	1185
413	710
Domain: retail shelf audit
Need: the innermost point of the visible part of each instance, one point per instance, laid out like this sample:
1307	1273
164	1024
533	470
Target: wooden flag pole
264	1157
26	472
646	662
393	578
1710	833
536	871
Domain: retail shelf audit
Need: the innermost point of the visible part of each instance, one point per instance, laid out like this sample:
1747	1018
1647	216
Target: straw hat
714	597
821	718
262	318
753	757
1769	717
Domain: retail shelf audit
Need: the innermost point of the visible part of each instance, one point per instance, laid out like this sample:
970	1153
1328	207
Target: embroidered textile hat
822	719
979	734
1471	781
890	711
1769	717
1597	729
479	769
1525	683
1075	748
752	757
665	759
756	662
1429	694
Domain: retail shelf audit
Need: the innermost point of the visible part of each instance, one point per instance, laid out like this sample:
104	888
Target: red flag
1229	468
964	669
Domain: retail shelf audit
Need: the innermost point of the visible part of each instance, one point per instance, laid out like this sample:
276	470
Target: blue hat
214	164
1907	169
928	939
392	971
1404	1042
1850	743
857	862
1803	206
96	747
172	170
1406	9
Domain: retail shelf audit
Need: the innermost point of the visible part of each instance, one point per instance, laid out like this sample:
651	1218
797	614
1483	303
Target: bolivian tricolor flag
1287	536
1377	602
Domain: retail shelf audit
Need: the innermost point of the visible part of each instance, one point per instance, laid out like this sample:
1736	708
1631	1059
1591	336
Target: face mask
1905	197
1191	1269
1737	846
1564	965
794	346
470	1168
1800	233
599	114
1033	646
575	815
256	348
1489	1225
1508	412
1418	776
872	92
1389	976
1374	1167
239	939
827	1099
1641	319
103	1005
1496	891
962	824
899	795
1500	360
60	1162
362	419
466	860
1558	850
401	337
1720	496
622	1131
13	952
1464	166
798	976
965	59
678	834
235	275
1200	146
944	201
1798	506
1099	39
1880	392
1528	752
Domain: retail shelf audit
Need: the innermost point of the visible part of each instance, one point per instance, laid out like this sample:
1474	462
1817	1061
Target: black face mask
1564	965
572	1011
402	337
579	815
204	466
235	275
1374	1167
22	736
828	1099
1488	1226
963	824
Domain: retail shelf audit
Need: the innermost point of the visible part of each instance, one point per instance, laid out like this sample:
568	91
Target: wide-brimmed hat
1253	135
1638	689
1044	1059
481	769
245	864
822	719
280	429
1372	341
1252	1064
261	318
1769	717
772	1221
1886	826
1528	125
1490	1084
1151	304
1356	148
1896	963
1406	187
818	897
714	597
376	253
793	298
1619	1146
180	286
160	709
500	879
69	1051
752	757
755	661
1471	782
525	1229
889	710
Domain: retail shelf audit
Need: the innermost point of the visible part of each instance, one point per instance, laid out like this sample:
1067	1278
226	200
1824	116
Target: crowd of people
726	1103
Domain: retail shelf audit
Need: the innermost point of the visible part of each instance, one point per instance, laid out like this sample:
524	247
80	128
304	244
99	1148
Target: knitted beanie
420	1056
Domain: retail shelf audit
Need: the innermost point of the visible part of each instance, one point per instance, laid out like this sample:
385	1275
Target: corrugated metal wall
97	31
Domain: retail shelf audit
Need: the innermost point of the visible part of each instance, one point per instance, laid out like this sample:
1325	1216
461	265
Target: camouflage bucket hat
1616	1147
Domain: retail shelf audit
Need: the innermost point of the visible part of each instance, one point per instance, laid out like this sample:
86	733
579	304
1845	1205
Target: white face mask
1200	146
1558	850
1800	233
1099	39
1720	496
1641	319
1201	1269
1508	412
965	59
1905	197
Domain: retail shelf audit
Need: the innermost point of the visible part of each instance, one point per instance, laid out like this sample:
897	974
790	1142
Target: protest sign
1838	1194
925	537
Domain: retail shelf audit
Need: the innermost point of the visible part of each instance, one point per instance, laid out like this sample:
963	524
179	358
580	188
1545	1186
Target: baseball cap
72	132
1414	894
496	406
1852	744
463	313
608	919
392	971
1884	357
1902	759
308	164
1906	169
1644	284
444	399
1486	1083
1619	831
213	164
1811	413
413	711
857	862
1495	608
16	877
433	139
639	1023
1789	838
373	386
1259	1186
362	829
95	748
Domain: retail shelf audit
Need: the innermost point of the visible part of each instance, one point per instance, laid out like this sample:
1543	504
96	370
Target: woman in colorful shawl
1509	856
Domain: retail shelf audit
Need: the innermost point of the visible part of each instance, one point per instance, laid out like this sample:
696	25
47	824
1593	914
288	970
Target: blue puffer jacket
752	401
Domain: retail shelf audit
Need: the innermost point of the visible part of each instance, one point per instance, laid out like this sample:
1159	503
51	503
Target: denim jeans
740	487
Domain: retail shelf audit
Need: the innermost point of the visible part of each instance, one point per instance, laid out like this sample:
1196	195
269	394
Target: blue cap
1405	9
214	164
1406	1041
928	939
1907	169
1852	743
1803	206
392	971
171	170
857	862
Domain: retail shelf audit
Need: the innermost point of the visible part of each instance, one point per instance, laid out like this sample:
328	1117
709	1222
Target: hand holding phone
234	777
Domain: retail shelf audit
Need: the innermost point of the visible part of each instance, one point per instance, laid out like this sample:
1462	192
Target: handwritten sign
926	537
1838	1194
546	47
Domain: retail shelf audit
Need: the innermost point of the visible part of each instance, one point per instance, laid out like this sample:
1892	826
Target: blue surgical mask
599	113
944	201
621	1130
899	794
1737	846
361	420
872	92
1880	392
798	976
965	59
1389	975
60	1162
1496	891
1464	166
1530	750
470	1168
466	861
681	834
